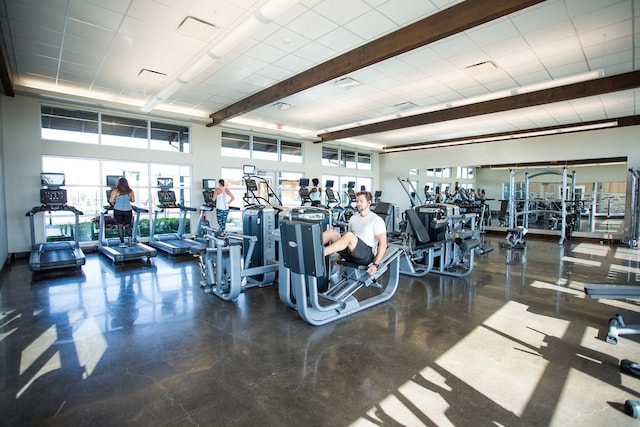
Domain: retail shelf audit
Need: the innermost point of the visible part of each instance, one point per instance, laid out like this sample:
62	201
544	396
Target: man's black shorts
362	255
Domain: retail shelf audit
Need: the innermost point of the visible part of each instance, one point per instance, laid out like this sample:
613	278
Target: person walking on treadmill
121	198
223	198
366	240
315	193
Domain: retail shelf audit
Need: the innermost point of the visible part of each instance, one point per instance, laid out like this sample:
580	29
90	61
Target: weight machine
234	262
305	283
438	239
632	221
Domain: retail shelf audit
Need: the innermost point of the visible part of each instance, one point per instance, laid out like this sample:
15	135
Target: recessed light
347	83
151	76
281	106
481	68
197	28
404	106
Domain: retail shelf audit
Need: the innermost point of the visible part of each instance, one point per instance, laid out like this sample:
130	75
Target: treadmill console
56	197
52	195
251	185
208	198
167	199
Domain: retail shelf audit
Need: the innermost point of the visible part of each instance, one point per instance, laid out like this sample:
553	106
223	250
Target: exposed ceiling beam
500	136
595	87
453	20
5	70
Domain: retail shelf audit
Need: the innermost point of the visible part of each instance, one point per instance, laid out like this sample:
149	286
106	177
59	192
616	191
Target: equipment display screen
112	180
51	180
165	182
208	184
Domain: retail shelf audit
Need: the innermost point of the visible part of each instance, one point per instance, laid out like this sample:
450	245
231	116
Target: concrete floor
516	343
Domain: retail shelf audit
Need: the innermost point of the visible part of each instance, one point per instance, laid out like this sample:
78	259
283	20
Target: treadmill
61	254
111	246
173	243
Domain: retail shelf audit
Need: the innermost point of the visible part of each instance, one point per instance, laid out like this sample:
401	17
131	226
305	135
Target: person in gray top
121	198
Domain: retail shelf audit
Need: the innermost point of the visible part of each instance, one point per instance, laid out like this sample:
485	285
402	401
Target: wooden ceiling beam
450	21
500	136
585	89
5	70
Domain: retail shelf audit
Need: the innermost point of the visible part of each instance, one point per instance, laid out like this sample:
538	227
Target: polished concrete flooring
515	344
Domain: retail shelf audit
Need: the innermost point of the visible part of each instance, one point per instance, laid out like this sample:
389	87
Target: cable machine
632	220
516	230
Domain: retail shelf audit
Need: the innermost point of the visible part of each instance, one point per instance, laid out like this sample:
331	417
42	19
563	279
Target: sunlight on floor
90	345
51	365
591	249
587	262
37	348
628	254
513	332
583	390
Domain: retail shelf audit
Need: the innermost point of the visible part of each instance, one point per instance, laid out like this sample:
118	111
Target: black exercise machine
61	254
174	243
306	284
110	246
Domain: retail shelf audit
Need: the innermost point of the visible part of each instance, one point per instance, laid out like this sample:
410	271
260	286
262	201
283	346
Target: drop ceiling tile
312	25
341	40
453	46
403	12
317	51
603	17
95	15
348	10
286	40
493	32
371	25
540	16
550	34
295	63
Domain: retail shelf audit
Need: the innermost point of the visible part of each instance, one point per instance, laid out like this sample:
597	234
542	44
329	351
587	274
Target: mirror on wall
594	195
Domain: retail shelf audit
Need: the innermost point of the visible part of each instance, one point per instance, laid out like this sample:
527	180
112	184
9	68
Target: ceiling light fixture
197	28
281	106
347	83
481	68
218	48
151	76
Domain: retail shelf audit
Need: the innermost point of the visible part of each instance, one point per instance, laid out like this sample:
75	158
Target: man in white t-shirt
366	241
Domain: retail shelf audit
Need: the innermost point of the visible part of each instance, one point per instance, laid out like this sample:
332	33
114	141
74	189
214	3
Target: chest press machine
439	240
303	276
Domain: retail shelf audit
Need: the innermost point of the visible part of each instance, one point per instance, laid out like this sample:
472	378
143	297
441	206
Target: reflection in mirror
595	194
595	197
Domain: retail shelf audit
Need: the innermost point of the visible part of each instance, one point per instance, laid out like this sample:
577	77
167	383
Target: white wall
617	142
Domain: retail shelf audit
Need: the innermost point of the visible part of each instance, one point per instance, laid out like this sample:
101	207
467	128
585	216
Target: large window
349	159
248	145
67	124
85	182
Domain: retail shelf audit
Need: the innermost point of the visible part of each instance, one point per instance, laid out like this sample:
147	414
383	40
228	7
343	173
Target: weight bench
303	272
515	238
617	326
